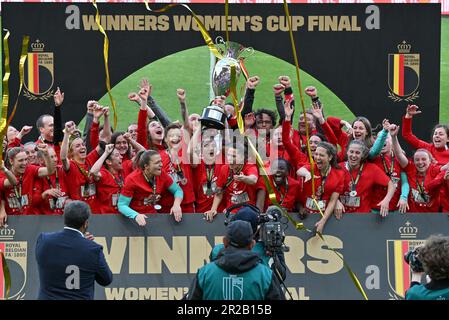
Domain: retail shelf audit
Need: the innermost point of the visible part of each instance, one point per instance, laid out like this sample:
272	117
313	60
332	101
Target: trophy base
213	117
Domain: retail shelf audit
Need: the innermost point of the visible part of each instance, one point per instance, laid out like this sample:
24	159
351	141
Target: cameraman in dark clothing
432	259
237	273
276	261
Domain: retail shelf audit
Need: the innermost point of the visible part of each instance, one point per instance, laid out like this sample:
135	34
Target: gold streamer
295	56
23	57
106	58
312	165
202	28
6	274
226	17
5	100
5	89
259	161
351	273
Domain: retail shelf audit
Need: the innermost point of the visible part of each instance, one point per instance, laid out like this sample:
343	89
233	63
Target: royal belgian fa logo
39	73
403	74
15	253
399	272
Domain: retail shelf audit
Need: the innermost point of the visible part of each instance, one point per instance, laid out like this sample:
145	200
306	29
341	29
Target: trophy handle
246	53
220	43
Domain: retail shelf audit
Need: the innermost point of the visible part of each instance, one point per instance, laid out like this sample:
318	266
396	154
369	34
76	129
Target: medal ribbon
421	188
323	181
18	192
209	175
152	185
354	183
56	181
278	188
388	172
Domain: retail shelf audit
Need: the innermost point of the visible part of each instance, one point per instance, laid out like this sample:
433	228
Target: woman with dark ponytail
144	188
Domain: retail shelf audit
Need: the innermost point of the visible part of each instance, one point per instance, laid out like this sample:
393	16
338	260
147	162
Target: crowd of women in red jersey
182	167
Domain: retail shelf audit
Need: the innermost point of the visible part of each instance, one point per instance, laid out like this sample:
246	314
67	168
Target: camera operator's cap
239	233
247	214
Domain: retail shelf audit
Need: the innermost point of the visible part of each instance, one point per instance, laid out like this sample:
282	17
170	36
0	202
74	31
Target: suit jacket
59	256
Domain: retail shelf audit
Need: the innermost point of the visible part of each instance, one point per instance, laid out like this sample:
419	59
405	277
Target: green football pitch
190	69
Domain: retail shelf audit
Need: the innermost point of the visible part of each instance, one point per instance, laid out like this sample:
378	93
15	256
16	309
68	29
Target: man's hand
24	131
176	212
140	219
278	89
285	81
311	91
58	97
252	82
181	93
411	111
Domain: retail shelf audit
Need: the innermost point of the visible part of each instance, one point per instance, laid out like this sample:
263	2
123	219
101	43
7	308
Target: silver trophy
213	116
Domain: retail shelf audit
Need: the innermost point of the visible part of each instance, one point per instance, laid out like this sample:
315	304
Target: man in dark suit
68	262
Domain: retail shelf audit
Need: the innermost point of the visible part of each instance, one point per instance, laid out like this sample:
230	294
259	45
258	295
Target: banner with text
160	260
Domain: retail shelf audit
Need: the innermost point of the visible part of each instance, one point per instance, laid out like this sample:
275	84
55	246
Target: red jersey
286	195
205	195
421	197
393	170
19	200
80	183
441	155
144	195
52	205
299	159
324	187
364	179
237	191
108	190
186	183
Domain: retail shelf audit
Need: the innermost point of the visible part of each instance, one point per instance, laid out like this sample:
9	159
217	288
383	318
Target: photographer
432	259
237	273
274	260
